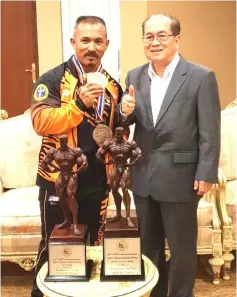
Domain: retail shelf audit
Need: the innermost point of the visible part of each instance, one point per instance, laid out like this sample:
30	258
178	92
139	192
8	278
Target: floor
16	282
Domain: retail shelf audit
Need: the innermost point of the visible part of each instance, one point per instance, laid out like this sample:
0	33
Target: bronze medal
102	133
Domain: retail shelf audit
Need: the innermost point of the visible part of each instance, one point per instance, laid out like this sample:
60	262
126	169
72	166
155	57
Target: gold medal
102	133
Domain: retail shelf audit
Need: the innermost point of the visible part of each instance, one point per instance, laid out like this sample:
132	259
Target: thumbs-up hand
128	102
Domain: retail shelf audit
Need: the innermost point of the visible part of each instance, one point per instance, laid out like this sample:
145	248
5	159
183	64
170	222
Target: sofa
209	233
227	196
19	207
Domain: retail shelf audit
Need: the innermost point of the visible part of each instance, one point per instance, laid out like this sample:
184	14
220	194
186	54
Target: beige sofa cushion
231	195
20	212
204	218
20	221
205	237
20	244
231	202
18	152
228	142
204	214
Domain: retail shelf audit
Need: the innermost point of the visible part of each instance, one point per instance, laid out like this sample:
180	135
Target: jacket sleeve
208	129
120	94
120	118
49	113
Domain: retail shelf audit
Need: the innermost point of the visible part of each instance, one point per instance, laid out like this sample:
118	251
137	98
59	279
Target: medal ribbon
100	103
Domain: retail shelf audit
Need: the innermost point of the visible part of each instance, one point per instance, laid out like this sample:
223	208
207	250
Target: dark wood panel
18	52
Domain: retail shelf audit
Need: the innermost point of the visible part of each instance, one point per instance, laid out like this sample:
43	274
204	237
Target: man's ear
107	43
73	43
177	40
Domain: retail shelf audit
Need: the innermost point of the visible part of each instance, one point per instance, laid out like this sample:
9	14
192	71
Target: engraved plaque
67	259
67	255
122	257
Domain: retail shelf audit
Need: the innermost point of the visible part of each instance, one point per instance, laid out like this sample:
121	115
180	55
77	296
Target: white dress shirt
159	85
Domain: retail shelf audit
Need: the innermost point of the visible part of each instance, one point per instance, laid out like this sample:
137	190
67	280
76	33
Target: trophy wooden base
67	255
122	257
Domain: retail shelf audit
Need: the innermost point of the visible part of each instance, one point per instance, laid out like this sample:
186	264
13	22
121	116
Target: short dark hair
90	19
174	25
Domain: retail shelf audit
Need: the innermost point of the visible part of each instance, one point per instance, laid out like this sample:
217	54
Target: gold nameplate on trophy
122	257
67	255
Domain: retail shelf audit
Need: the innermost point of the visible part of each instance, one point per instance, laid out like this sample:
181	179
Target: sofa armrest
227	237
1	186
221	200
216	222
3	114
211	197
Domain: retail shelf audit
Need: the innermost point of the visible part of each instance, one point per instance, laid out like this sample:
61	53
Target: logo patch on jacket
41	92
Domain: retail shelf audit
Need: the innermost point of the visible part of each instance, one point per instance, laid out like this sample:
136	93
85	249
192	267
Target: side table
95	288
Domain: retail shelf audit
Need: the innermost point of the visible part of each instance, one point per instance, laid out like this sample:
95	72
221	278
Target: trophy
67	244
122	256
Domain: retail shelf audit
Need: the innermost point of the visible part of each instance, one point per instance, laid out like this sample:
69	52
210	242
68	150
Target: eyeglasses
160	37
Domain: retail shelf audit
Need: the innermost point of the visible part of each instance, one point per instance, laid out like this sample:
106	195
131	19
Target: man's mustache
91	54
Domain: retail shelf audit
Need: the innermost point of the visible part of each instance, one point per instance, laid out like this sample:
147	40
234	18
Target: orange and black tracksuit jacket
56	110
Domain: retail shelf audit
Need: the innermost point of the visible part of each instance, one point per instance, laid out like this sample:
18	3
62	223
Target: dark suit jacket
184	143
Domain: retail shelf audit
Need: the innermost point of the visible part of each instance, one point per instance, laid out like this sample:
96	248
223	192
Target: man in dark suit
175	106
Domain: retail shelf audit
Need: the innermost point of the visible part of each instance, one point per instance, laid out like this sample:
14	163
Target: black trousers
178	223
92	211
